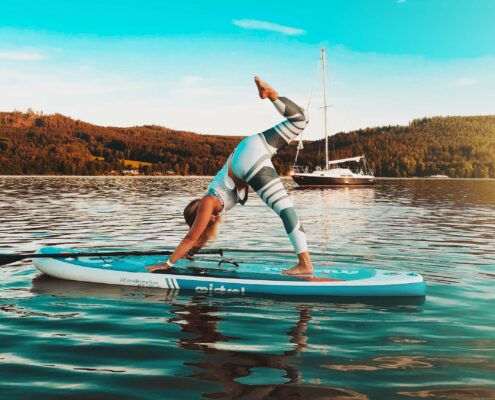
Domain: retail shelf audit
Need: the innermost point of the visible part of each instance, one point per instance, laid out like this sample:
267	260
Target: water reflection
237	367
245	364
138	342
199	322
459	393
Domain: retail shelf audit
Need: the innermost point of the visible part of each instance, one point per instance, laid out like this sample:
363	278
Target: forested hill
54	144
460	147
32	143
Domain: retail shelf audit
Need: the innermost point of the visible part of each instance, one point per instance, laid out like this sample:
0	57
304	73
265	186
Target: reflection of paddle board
207	277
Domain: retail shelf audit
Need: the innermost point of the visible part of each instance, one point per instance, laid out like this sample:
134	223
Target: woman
249	165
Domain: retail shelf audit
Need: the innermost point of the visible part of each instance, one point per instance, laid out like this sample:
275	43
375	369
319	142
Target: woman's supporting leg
263	178
268	186
252	163
266	183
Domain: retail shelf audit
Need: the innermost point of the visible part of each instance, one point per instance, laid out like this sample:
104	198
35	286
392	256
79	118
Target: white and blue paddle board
207	276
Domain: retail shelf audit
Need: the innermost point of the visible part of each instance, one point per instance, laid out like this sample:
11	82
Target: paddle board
209	276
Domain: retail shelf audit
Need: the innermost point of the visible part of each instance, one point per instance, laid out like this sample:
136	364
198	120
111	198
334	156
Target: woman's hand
157	267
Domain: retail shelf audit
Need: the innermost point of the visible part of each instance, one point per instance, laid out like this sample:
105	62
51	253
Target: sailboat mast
325	105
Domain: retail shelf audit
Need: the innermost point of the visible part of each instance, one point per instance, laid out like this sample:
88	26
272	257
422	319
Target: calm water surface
63	339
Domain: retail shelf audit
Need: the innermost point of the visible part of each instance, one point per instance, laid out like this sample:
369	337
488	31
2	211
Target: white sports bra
223	188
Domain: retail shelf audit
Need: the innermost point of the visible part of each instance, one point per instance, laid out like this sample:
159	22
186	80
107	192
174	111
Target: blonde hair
211	231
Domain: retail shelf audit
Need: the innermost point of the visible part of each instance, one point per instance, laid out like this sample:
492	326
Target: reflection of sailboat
347	171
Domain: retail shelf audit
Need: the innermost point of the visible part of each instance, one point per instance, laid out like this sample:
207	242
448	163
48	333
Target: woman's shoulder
214	196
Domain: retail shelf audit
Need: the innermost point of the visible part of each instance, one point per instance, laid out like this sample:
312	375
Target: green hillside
31	143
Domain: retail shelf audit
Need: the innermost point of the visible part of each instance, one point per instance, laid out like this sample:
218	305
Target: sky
189	64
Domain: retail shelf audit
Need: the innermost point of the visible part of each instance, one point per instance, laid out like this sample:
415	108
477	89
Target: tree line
33	143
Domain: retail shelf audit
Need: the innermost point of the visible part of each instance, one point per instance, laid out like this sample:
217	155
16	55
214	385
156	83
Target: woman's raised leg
264	179
283	133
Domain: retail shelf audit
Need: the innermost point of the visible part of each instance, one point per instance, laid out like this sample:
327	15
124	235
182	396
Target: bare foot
299	269
303	267
157	267
265	90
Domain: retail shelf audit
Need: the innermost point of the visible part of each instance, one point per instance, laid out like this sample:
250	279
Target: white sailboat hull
321	179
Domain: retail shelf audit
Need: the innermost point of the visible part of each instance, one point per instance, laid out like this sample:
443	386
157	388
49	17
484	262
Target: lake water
62	339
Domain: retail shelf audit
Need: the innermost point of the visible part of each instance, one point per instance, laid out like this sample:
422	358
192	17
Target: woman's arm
197	246
203	217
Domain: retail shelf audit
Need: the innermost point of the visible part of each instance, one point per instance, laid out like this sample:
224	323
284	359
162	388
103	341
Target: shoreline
211	176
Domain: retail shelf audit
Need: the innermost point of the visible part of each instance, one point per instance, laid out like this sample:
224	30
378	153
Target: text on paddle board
218	290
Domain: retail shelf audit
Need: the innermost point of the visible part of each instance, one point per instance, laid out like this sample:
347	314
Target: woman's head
190	211
211	230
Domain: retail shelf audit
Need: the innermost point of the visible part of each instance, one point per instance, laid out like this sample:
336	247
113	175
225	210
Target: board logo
219	290
140	282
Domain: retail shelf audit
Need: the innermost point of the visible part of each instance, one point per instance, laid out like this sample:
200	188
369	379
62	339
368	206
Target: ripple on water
71	339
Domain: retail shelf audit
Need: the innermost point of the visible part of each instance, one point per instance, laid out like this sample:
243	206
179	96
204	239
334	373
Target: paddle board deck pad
207	276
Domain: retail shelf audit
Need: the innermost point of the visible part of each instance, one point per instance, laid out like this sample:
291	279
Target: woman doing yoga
250	165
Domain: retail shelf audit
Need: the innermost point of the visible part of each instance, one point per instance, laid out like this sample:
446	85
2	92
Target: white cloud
465	81
20	55
267	26
191	80
191	85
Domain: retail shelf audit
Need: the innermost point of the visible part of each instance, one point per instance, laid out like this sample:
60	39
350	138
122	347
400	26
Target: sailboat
351	171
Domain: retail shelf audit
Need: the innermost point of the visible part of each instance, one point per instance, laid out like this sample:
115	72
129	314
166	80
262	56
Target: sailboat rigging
334	172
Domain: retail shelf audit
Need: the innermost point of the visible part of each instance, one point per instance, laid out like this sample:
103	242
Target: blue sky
189	64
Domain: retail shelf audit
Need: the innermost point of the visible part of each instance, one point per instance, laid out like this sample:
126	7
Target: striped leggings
251	162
